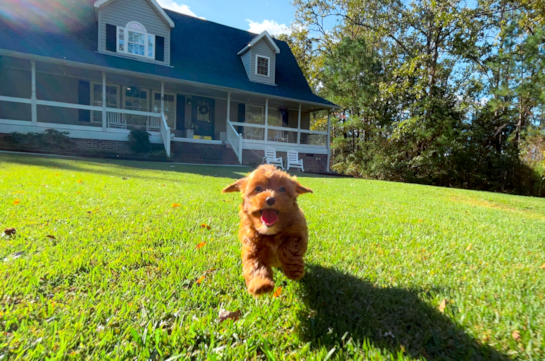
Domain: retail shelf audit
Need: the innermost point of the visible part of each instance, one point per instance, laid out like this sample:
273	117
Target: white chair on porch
293	161
271	158
116	120
153	124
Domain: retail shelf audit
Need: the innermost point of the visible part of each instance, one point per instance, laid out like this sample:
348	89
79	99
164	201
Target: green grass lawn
105	265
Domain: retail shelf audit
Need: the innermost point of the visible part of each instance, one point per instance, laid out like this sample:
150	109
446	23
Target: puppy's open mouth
269	216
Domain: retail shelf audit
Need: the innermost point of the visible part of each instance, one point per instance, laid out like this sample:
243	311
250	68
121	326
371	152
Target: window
112	99
135	98
262	65
254	115
274	117
134	39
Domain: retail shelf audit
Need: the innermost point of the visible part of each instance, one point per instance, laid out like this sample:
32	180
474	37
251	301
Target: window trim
126	41
257	56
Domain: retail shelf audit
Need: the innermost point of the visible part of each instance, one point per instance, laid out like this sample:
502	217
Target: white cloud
271	26
179	8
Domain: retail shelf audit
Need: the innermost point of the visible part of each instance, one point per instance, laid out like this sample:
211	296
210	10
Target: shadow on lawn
124	167
392	319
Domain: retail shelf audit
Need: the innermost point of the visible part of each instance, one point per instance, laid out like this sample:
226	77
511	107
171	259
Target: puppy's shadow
341	307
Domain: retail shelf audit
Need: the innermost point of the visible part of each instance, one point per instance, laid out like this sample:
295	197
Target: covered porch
106	104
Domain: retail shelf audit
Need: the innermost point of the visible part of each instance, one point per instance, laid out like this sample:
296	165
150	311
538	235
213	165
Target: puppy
273	229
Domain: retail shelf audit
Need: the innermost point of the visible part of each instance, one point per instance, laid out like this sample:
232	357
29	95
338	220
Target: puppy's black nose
270	201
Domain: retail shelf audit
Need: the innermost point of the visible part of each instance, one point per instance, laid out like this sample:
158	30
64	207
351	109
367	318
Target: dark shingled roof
201	51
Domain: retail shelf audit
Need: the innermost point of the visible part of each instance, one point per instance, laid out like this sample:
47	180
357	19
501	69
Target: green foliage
431	92
118	280
139	141
50	139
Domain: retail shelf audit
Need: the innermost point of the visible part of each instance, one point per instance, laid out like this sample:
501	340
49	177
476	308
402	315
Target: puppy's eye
258	189
282	189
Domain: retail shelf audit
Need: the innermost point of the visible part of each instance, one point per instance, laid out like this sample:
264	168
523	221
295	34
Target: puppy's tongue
269	217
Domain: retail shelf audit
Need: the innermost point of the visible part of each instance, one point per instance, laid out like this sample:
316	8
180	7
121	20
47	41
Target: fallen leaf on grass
80	181
18	192
442	306
50	236
516	335
469	247
199	281
228	315
175	205
200	245
16	202
204	225
542	266
278	292
10	231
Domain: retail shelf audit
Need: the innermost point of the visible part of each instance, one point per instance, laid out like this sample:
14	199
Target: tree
431	92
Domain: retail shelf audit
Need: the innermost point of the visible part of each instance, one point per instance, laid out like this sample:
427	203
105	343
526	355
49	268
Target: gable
119	13
153	3
260	47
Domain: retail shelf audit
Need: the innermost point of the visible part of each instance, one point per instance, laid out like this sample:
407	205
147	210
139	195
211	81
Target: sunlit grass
116	260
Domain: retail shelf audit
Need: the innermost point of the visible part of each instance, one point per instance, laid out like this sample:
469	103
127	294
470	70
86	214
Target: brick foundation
313	163
186	152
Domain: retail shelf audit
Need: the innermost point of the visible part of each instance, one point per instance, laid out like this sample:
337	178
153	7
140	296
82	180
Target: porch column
33	106
162	97
328	139
266	120
299	125
104	123
228	107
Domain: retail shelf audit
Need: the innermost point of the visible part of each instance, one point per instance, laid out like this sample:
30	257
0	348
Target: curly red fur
280	245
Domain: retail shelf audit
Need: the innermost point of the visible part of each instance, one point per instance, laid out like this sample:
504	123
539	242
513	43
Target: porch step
202	153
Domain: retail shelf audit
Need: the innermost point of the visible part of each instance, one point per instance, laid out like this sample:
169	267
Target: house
208	92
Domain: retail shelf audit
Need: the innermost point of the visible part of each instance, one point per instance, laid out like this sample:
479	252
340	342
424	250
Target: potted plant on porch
190	130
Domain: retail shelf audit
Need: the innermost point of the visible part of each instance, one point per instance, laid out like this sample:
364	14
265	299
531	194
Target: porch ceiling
149	83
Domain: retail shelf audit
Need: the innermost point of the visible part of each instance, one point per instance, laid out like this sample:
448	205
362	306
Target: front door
203	117
170	107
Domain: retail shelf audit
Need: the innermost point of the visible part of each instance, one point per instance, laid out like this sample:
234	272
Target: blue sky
274	16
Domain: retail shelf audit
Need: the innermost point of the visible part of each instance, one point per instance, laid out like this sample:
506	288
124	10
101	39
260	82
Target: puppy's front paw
259	286
294	273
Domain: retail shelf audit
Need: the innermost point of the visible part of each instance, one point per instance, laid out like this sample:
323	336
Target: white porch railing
165	133
235	139
264	136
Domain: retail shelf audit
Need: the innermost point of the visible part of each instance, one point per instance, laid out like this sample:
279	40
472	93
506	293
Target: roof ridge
220	24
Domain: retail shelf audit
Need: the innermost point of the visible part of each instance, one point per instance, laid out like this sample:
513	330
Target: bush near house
50	139
136	260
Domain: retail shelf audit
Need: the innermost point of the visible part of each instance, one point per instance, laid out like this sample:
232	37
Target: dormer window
134	39
263	65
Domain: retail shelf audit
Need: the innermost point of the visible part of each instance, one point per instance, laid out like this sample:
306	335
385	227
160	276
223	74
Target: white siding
263	48
121	12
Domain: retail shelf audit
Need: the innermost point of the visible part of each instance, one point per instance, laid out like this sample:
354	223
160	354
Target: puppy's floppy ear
299	189
238	186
